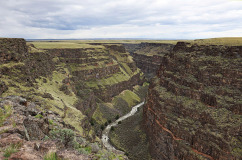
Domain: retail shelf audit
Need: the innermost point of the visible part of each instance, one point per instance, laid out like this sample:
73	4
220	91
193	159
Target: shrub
92	122
112	128
46	138
13	148
109	121
102	127
5	113
117	117
51	156
65	136
50	121
38	116
86	150
106	123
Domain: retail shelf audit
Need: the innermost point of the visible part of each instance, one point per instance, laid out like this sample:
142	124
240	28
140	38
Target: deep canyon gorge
57	97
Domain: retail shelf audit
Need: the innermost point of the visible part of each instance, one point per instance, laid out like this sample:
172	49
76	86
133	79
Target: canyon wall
12	49
193	109
46	106
72	82
148	56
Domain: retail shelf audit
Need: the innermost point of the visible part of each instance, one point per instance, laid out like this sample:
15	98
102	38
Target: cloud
120	19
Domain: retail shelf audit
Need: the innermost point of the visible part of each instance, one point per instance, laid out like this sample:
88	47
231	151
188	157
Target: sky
151	19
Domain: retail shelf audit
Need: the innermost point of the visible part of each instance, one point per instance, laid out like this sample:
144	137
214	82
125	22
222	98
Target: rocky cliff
193	108
82	85
148	56
12	49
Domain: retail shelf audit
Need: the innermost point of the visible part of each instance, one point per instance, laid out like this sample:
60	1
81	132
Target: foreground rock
28	133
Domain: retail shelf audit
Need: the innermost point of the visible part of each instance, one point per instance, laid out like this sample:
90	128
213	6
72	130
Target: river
105	138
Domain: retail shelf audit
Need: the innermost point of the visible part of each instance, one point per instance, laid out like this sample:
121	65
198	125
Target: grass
130	97
62	44
87	66
113	79
73	116
130	138
13	148
11	64
107	41
51	156
5	113
38	116
228	41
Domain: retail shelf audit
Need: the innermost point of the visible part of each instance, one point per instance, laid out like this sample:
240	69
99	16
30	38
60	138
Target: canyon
148	56
192	95
86	87
193	108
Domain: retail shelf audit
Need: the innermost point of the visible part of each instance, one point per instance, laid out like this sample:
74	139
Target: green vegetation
65	136
62	44
11	65
129	137
51	156
50	121
75	43
46	83
52	86
228	41
130	97
13	148
39	116
117	117
85	150
5	113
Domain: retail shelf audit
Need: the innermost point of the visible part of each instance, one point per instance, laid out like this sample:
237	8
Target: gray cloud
123	18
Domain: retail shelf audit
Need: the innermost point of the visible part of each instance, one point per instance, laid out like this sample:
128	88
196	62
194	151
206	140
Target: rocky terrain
148	56
57	97
27	133
193	108
86	87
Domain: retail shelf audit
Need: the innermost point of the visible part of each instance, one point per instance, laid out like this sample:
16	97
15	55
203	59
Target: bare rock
95	148
36	128
11	139
72	155
3	87
22	155
47	146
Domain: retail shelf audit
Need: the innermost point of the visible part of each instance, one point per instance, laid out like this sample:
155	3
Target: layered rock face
30	133
193	108
72	82
12	49
148	56
84	87
107	70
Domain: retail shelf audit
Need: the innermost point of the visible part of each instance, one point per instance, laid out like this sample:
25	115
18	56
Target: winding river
108	128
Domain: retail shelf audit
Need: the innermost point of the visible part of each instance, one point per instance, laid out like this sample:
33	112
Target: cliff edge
193	108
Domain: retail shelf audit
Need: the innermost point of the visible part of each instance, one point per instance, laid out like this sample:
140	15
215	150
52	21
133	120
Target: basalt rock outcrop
72	82
27	133
99	68
12	49
193	108
148	56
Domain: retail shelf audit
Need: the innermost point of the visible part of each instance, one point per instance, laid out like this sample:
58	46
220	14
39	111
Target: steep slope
83	84
193	108
148	56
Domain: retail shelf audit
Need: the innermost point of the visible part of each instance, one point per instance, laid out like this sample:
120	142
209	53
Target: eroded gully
105	138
